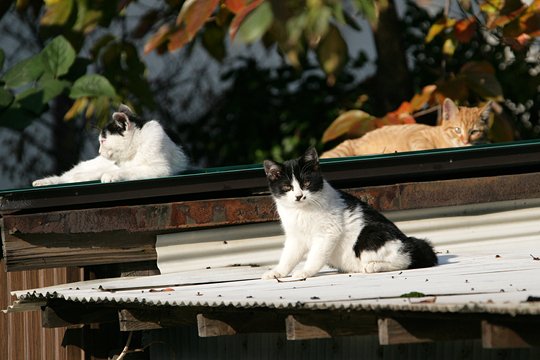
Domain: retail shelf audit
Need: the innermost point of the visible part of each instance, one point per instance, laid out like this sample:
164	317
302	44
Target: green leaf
59	55
256	24
101	43
318	24
24	72
16	118
6	98
52	88
2	58
32	100
92	85
368	9
212	41
413	294
332	52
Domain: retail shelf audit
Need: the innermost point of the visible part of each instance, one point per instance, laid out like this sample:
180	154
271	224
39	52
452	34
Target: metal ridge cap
221	182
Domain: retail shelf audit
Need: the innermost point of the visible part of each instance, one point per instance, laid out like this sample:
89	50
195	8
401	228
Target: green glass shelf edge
194	173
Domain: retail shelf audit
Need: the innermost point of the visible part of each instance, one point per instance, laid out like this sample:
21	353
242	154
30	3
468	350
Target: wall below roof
183	343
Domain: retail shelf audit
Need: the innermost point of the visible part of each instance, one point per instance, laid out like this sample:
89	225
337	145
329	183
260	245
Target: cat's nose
299	197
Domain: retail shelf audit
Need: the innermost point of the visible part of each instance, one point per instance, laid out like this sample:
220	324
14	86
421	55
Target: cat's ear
122	116
272	169
486	111
449	109
311	156
126	110
121	119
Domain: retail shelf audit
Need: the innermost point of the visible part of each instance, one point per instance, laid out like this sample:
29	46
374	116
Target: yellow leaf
57	12
76	109
449	47
356	121
438	27
419	100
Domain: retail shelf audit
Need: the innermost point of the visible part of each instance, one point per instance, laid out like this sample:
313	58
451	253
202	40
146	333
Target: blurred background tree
237	81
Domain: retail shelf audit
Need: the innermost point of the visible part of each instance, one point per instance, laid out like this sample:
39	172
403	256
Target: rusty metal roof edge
481	160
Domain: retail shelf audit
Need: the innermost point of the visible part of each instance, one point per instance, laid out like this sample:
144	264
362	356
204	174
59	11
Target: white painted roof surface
464	282
487	264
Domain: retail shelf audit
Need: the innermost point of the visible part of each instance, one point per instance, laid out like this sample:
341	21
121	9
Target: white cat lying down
129	149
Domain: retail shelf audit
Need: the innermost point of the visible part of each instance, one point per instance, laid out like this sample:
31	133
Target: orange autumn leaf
241	15
465	29
159	38
178	39
420	100
236	6
194	14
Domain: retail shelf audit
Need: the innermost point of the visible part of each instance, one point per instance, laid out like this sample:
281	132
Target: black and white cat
334	228
129	149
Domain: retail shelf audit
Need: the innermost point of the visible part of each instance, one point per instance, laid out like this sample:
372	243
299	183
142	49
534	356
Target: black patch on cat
305	169
422	254
118	125
378	230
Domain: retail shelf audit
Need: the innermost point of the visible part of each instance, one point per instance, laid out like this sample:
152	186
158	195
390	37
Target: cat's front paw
51	180
110	177
302	274
272	274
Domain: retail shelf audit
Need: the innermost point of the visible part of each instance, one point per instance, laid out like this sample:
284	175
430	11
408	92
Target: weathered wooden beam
118	234
410	330
329	324
124	234
208	327
236	322
134	319
500	334
130	320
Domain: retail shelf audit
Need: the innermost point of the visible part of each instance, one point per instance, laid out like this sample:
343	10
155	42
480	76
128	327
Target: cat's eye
286	187
307	183
457	130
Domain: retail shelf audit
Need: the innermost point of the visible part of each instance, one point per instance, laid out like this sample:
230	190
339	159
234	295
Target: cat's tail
422	253
352	147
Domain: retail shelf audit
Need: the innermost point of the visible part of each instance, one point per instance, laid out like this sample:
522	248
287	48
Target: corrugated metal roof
488	258
498	281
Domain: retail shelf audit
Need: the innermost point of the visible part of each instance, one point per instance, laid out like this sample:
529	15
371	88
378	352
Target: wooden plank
135	319
4	318
239	322
411	330
501	334
320	325
131	320
208	327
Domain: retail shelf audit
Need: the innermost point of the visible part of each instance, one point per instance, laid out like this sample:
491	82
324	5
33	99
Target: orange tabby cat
460	126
